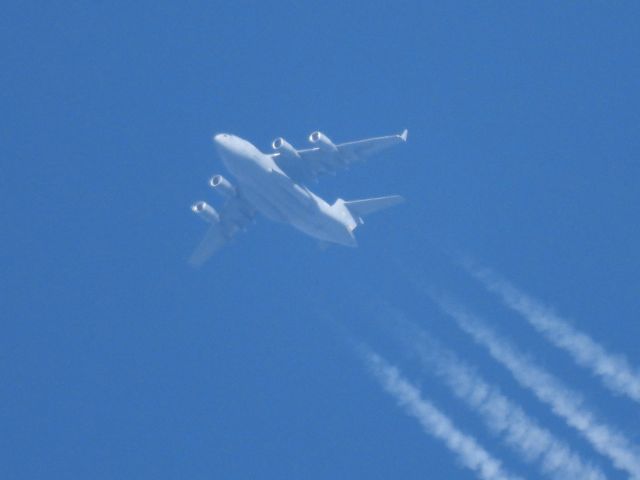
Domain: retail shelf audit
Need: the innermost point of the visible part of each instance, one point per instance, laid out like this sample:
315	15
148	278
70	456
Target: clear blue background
119	361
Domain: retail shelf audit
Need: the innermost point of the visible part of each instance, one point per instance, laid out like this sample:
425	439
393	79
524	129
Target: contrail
505	418
564	402
469	452
614	370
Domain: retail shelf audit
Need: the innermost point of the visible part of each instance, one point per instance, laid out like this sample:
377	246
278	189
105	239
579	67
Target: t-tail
358	209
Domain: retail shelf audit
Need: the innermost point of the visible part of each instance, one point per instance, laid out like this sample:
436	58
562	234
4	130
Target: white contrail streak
505	418
564	402
435	423
614	370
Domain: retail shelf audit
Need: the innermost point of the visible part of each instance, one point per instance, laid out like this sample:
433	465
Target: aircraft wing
235	216
312	162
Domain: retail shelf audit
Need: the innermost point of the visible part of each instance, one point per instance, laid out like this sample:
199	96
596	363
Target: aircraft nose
220	138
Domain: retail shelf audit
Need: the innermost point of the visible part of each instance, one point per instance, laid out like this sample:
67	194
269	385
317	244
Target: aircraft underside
273	185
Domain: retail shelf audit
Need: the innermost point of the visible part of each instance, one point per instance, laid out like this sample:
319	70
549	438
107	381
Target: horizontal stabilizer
361	208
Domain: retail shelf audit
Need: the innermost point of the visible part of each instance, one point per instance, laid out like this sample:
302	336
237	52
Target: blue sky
119	361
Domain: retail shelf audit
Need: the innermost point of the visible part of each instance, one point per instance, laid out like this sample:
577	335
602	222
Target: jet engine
206	212
323	142
222	186
285	149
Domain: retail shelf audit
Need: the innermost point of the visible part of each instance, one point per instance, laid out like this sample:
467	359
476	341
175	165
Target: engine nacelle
222	186
323	142
284	148
206	212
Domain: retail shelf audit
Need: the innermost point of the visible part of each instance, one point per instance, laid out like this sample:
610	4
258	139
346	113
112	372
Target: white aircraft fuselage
274	194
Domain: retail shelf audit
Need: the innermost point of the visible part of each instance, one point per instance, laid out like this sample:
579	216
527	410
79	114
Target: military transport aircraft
274	184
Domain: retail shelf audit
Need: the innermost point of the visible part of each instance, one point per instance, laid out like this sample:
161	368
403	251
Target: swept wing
235	216
307	164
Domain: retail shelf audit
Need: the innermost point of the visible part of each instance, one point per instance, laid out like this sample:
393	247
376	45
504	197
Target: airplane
274	185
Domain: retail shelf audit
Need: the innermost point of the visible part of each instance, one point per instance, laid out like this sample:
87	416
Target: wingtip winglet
404	135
